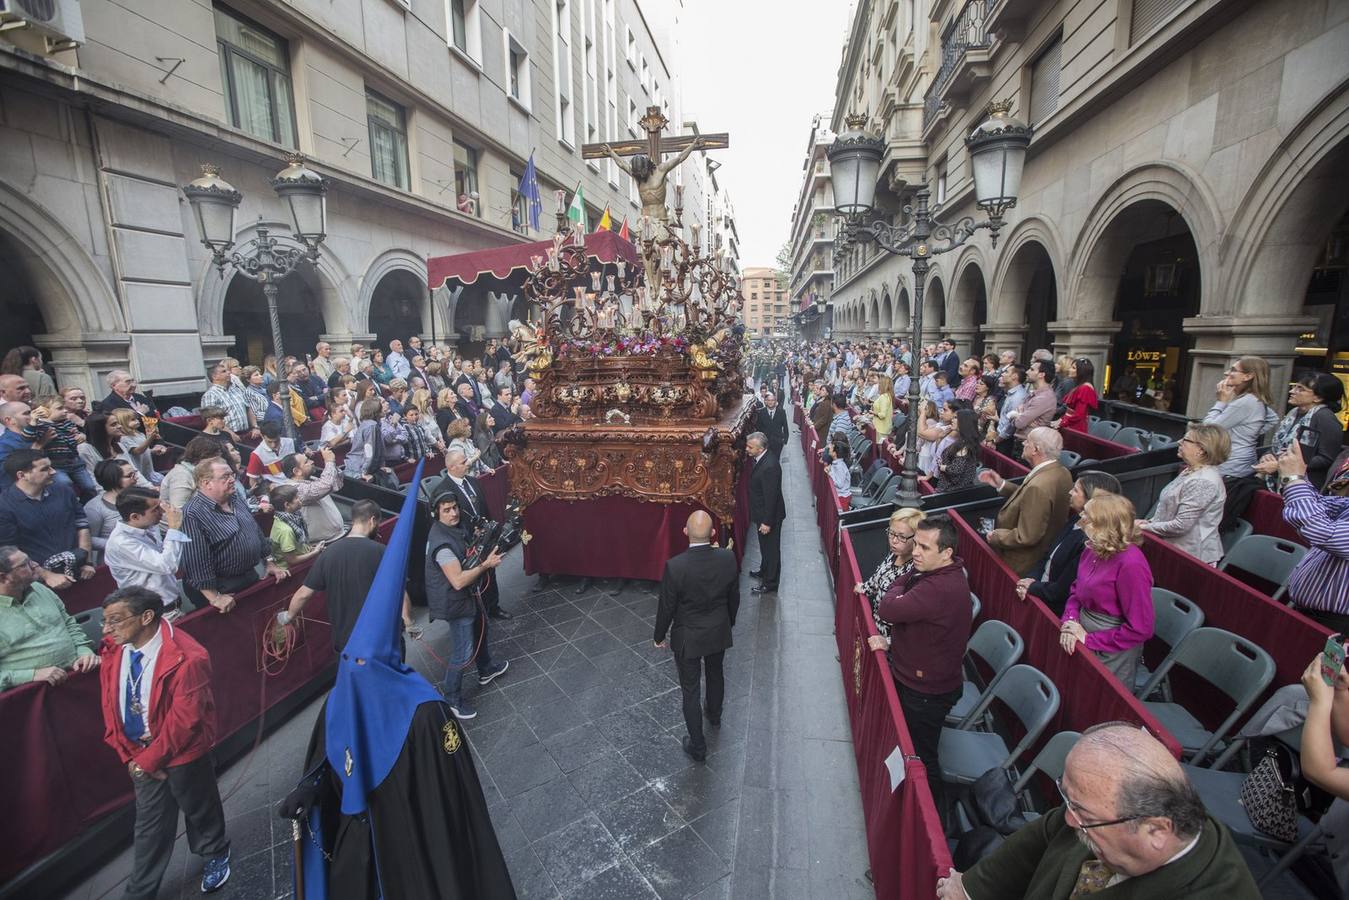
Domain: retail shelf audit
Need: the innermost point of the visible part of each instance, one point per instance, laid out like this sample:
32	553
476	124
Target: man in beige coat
1037	509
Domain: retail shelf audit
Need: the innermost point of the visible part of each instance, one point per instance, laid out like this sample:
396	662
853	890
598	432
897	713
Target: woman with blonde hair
459	436
898	563
1246	409
1190	508
420	400
883	408
1109	609
931	432
1063	383
136	448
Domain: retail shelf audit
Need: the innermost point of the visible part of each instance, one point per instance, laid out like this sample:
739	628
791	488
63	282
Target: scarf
296	523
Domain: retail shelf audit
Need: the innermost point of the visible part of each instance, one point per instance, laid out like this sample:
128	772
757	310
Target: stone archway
873	319
71	310
934	310
397	271
903	311
1024	298
967	309
886	323
327	280
245	317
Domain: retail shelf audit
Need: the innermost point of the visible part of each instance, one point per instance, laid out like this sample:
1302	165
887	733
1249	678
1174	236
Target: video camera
489	535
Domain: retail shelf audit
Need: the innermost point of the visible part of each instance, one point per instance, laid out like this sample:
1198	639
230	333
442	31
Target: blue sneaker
216	873
486	678
463	710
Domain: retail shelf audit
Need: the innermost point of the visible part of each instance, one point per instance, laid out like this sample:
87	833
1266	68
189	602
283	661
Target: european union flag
529	189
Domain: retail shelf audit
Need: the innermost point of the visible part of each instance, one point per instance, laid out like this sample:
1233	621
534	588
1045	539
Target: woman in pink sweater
1109	609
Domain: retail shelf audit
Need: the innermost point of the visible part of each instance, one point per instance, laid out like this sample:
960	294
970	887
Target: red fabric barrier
1003	465
826	501
1091	447
905	843
612	537
1088	692
1288	636
56	774
84	595
1265	514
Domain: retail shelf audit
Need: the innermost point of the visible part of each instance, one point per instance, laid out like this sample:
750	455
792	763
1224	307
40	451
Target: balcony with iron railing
964	59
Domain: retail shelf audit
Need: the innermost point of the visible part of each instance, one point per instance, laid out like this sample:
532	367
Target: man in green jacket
1130	826
39	640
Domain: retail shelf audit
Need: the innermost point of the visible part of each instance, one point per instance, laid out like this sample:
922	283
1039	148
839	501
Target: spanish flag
606	223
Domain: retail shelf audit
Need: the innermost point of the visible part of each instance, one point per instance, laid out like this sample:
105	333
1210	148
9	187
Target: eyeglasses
113	623
1299	387
906	538
1085	826
1188	440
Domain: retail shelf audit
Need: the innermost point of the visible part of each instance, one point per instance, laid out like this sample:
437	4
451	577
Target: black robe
432	836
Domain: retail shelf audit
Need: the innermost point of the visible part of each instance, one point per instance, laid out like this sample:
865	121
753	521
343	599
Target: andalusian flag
623	232
606	223
577	211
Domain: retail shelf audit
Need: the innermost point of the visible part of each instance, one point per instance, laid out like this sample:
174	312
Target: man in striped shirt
1319	585
230	396
226	543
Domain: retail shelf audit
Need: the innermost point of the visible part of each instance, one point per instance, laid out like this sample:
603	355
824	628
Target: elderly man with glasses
1130	823
40	640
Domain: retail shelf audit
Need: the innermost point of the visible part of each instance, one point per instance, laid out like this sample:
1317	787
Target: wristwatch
1285	480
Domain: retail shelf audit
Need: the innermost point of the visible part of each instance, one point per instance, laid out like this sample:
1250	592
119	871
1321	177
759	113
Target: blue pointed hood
376	694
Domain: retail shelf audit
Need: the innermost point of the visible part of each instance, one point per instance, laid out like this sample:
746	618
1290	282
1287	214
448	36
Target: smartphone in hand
1332	658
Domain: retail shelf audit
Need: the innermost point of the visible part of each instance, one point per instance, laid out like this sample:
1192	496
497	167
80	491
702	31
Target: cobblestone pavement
578	747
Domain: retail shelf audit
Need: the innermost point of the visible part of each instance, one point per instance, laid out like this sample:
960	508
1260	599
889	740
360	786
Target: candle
622	268
679	196
595	281
697	231
536	262
552	259
561	201
610	280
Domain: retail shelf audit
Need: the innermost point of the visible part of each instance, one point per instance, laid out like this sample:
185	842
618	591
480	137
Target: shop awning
503	263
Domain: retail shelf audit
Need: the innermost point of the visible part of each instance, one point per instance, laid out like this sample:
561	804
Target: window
566	119
517	69
590	105
255	73
646	75
632	46
388	140
1148	16
941	182
632	117
464	29
466	179
1044	81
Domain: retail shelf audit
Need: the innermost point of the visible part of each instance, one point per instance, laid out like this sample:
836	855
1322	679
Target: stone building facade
813	230
423	113
1183	201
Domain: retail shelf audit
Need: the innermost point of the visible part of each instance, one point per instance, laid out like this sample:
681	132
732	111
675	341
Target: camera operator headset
458	574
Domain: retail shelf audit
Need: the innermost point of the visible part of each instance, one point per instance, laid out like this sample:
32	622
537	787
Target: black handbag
1269	797
994	803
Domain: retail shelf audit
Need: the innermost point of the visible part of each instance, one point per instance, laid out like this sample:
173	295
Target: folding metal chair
1032	698
1174	618
1270	558
999	646
1229	662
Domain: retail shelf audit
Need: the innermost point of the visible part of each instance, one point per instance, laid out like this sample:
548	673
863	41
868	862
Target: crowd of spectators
80	487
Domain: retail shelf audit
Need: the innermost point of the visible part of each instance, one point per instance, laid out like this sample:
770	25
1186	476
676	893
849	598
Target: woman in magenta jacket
1109	609
1081	400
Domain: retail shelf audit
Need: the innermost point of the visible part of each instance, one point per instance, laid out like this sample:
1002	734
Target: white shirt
144	557
149	653
469	494
398	364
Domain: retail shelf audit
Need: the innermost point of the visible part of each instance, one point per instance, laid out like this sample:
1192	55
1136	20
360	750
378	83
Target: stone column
1219	340
1000	336
963	335
83	361
1087	339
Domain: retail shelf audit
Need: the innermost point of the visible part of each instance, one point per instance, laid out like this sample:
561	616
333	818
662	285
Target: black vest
444	599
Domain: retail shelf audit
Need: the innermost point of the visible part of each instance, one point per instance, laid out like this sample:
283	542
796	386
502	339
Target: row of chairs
1137	438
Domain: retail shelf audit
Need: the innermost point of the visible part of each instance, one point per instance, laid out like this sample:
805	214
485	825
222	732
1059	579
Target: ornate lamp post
997	150
215	204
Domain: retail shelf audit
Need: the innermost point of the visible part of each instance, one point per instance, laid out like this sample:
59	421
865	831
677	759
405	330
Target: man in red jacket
930	615
159	715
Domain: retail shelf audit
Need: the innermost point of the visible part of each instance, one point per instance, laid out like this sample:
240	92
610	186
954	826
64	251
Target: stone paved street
579	752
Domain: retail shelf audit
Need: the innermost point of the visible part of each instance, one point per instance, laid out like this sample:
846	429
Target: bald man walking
699	596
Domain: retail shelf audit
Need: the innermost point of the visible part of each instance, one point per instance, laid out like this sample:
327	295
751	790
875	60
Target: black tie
472	497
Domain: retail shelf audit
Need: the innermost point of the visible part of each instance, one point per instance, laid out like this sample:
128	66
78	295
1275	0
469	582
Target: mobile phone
1332	658
1308	436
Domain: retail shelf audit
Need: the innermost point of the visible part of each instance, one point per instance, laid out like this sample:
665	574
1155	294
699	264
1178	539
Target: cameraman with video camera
457	582
473	513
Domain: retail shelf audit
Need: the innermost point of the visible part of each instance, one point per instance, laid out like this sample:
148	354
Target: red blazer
1081	403
181	714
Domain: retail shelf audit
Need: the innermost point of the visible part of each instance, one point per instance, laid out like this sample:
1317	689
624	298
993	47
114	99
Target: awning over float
505	263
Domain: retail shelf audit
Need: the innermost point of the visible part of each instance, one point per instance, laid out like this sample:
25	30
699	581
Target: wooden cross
655	146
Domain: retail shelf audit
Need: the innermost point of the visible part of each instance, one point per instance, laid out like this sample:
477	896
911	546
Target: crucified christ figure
650	177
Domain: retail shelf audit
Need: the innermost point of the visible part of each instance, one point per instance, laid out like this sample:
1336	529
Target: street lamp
997	149
215	204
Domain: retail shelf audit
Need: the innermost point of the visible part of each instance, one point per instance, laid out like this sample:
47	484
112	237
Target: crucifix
646	166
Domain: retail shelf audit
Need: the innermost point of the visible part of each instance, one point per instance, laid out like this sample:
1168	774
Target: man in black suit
699	596
466	406
767	510
502	416
771	419
472	511
949	362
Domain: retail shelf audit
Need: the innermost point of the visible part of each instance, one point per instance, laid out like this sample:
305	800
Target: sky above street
760	69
